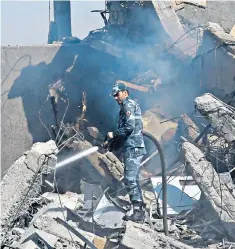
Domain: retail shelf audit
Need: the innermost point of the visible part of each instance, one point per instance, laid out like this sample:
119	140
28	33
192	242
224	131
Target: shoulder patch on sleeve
128	113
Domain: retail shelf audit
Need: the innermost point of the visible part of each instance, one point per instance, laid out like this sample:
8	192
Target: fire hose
111	144
114	144
164	181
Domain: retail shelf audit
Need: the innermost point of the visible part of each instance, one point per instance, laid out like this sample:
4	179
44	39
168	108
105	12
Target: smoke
137	37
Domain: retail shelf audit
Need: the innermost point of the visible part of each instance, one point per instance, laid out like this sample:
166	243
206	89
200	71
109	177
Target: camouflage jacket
130	125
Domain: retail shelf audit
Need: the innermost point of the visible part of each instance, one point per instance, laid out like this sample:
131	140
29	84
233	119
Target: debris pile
30	176
83	204
201	201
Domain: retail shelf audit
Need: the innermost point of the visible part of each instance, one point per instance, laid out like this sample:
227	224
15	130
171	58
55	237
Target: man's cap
117	88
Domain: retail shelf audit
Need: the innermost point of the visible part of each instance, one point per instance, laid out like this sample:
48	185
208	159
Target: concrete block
34	160
70	201
45	148
18	231
199	3
211	186
19	177
34	238
29	245
48	224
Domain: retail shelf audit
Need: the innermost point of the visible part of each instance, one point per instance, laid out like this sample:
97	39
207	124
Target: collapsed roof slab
214	64
171	23
220	200
221	115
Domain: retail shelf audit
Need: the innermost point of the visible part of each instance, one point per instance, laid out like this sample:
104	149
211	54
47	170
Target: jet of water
77	156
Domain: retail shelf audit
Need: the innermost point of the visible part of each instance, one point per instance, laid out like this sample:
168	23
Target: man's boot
138	213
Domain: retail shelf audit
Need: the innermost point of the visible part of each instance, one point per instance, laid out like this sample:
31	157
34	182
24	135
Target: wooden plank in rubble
219	197
134	86
221	115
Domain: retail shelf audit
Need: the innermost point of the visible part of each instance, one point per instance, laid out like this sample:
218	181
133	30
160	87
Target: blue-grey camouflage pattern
130	125
130	128
132	159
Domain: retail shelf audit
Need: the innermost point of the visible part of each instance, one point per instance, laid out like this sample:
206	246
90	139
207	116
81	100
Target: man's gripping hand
110	135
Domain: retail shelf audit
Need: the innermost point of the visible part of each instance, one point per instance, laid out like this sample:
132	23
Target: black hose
164	181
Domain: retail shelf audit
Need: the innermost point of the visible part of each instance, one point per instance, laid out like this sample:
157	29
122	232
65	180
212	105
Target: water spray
77	156
112	144
104	146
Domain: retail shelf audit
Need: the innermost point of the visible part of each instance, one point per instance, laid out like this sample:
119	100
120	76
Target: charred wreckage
187	176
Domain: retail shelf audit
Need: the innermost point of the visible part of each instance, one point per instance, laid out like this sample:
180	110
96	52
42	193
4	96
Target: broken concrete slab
158	225
199	3
139	236
227	180
50	226
219	32
20	179
72	201
76	233
51	210
221	201
177	5
174	28
45	148
36	237
221	36
221	115
29	245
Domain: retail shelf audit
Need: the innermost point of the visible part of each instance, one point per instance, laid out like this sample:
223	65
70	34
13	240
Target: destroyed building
178	59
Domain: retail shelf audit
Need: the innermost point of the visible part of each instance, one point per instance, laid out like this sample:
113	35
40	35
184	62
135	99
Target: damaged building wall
215	61
27	72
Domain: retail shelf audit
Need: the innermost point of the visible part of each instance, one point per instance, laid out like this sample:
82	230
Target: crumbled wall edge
221	36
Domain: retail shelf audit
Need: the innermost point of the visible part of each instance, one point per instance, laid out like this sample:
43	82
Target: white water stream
77	156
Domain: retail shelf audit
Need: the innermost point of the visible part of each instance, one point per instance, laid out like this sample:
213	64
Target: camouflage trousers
132	159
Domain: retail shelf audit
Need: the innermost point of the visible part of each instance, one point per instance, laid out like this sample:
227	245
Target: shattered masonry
182	72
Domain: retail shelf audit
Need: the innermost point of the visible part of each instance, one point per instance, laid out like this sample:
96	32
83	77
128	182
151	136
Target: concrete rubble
216	192
215	187
94	217
30	175
220	115
83	204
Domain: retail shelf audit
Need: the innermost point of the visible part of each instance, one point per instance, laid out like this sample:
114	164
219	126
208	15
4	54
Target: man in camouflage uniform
130	129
